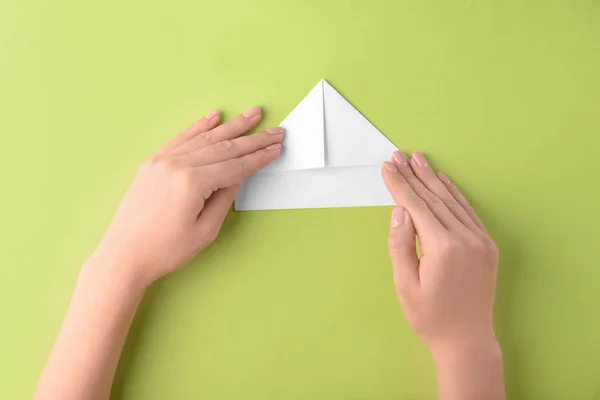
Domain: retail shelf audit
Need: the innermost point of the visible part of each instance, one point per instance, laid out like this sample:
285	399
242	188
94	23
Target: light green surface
503	95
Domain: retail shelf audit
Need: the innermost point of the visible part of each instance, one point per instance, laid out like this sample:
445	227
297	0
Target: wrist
469	369
466	353
114	275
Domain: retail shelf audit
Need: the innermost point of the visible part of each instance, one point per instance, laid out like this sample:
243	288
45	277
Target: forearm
85	355
471	371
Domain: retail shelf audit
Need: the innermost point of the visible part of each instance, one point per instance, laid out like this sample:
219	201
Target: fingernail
419	159
252	112
390	167
212	114
400	158
275	146
275	131
397	216
443	177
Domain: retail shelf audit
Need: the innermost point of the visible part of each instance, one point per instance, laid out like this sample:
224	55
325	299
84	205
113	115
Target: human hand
179	198
447	294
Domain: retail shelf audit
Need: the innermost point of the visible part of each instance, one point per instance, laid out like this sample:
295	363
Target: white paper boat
331	157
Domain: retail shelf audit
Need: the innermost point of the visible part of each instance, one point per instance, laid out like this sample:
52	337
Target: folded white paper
331	157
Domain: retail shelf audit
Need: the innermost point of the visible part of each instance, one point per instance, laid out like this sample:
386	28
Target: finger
403	251
213	214
424	220
437	207
430	180
202	125
461	200
234	170
234	148
230	130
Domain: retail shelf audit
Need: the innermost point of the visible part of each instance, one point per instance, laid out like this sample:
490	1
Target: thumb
213	214
403	251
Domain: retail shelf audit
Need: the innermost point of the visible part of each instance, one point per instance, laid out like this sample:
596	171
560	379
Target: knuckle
206	137
258	160
471	212
492	249
152	161
422	191
433	199
451	203
263	156
261	139
239	125
412	181
160	164
398	241
238	164
418	202
466	205
449	245
477	245
183	178
226	146
430	198
169	167
484	247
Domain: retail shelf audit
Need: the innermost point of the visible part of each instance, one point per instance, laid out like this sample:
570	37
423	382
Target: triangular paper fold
325	130
331	157
350	139
304	141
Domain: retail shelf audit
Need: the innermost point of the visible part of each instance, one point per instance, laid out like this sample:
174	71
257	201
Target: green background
503	96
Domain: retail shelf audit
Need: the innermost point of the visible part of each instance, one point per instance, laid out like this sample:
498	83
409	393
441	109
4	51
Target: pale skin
175	208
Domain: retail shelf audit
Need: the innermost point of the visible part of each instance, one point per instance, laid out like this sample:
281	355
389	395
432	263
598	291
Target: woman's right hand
448	293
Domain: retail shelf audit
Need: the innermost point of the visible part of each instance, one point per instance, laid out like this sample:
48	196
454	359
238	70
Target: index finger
207	123
229	130
239	147
234	170
404	195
